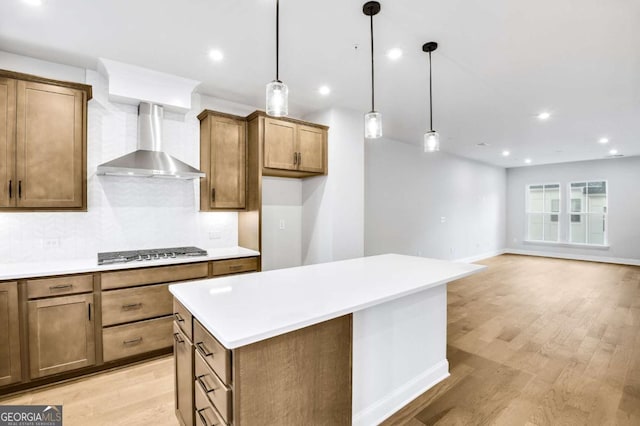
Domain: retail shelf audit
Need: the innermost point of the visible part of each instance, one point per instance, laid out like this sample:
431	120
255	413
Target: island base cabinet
298	378
61	334
9	334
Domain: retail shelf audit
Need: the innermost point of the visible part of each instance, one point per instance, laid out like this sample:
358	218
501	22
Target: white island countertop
16	271
243	309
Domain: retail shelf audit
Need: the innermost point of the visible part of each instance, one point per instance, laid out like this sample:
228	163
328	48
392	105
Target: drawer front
133	304
183	318
59	286
205	414
219	395
126	340
214	354
234	266
162	274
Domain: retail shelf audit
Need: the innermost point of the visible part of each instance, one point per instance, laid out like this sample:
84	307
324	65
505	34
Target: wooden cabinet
183	363
61	334
10	371
43	157
277	381
223	157
292	148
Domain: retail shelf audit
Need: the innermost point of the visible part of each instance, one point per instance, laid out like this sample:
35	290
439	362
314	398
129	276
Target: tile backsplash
123	213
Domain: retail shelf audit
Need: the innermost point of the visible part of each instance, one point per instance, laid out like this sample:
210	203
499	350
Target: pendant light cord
277	40
372	68
430	96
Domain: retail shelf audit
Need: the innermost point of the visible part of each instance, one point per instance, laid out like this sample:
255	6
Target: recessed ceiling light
527	160
33	2
506	153
604	141
216	55
324	90
544	115
394	54
613	152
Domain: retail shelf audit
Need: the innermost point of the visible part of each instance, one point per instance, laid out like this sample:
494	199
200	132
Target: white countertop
15	271
243	309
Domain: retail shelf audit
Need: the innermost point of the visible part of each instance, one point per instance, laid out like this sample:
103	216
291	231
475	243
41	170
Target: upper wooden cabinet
43	154
9	334
291	148
223	157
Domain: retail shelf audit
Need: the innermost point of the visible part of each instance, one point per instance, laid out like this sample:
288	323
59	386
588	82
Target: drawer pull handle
60	287
177	338
235	267
203	350
178	317
203	419
131	306
132	341
204	385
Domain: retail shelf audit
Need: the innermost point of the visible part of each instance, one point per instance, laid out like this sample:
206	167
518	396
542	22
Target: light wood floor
532	341
538	341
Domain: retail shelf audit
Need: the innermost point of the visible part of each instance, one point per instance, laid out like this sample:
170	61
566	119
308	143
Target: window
588	212
543	212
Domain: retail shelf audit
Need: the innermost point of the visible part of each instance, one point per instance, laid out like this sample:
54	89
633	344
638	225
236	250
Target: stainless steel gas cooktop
152	254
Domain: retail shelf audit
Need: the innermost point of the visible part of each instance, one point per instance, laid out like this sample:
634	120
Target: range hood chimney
149	160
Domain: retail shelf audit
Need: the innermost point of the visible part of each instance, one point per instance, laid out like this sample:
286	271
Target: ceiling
499	64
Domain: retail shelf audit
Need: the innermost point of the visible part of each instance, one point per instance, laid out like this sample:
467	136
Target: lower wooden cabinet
183	362
9	334
61	334
123	341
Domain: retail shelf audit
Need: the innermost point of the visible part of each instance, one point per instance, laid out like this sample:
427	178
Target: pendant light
431	138
277	91
373	119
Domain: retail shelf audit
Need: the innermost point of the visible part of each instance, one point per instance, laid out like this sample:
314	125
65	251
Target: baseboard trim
482	256
571	256
377	412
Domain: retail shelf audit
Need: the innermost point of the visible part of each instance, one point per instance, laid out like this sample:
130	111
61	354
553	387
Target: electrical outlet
50	243
282	226
215	235
443	219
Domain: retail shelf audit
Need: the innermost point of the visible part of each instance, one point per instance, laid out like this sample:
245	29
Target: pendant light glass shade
277	99
373	125
431	141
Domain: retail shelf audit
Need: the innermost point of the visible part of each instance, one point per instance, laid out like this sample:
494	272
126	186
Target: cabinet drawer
183	318
132	339
234	266
162	274
132	304
47	287
213	353
216	391
205	413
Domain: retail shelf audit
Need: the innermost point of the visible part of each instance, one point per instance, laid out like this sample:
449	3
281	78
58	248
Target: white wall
333	205
408	193
281	223
123	213
622	174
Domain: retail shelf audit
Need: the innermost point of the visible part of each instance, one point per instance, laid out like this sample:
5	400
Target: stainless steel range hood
149	160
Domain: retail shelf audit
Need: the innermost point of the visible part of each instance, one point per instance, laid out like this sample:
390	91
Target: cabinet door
184	380
7	142
9	334
279	144
61	334
50	146
227	172
311	148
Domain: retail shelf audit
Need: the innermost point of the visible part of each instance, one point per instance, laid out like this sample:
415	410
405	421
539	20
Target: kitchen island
348	342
